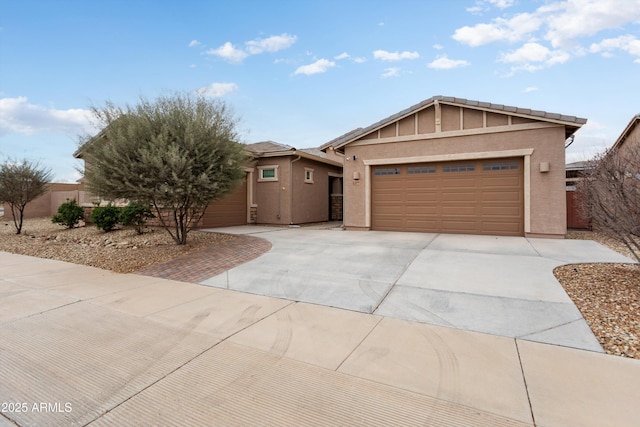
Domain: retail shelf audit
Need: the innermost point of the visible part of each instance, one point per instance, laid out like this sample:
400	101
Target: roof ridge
540	114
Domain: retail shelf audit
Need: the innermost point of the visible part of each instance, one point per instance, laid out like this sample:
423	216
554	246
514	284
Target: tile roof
268	147
536	114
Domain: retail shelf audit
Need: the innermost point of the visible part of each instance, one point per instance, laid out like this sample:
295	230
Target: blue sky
304	72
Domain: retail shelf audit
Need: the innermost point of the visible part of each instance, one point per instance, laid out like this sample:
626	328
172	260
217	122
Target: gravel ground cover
123	250
608	295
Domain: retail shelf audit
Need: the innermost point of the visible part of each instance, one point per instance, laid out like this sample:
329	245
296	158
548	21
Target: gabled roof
578	166
275	149
627	131
268	147
573	123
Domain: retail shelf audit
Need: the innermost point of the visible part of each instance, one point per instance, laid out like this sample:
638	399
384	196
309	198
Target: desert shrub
136	214
106	217
69	214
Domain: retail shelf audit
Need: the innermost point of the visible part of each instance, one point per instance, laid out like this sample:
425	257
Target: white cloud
562	23
484	5
270	44
194	43
518	28
444	63
229	53
17	115
217	90
395	56
533	56
345	55
626	43
320	66
502	4
391	72
437	46
573	19
530	89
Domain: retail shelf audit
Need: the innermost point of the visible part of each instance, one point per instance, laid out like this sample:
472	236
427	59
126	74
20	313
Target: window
308	175
500	166
387	171
414	170
459	168
268	173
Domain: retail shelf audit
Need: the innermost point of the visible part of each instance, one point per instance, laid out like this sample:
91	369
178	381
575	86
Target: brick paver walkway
201	265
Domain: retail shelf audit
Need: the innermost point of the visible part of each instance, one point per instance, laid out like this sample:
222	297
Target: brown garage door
471	197
228	211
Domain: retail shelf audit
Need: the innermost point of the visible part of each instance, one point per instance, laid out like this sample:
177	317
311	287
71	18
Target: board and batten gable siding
458	133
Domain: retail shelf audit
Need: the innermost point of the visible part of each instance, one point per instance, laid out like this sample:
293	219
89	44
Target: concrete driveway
497	285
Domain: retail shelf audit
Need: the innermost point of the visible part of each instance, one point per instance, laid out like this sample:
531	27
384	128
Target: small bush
136	214
69	214
106	217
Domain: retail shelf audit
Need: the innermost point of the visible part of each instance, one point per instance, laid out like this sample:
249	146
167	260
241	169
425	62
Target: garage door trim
526	153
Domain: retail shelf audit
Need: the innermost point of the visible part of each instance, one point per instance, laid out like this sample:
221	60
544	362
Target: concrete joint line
359	344
42	312
182	365
524	378
550	328
152	384
533	247
404	270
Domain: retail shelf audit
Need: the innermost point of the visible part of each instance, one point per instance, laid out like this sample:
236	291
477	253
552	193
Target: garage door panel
229	211
475	197
469	211
421	210
501	196
420	224
451	225
459	183
459	196
501	227
501	211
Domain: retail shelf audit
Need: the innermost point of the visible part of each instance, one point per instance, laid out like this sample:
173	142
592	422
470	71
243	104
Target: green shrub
136	214
106	217
69	214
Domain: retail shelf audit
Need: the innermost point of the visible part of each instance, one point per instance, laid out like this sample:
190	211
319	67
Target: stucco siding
547	192
311	200
272	196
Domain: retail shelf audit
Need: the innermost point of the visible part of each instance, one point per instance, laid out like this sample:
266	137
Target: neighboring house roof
571	122
577	166
265	147
275	149
627	131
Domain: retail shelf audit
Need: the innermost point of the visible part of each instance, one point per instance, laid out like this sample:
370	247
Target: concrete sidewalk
79	346
498	285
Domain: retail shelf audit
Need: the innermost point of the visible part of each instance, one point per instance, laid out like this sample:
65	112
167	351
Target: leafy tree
136	214
611	190
106	217
69	214
177	153
20	183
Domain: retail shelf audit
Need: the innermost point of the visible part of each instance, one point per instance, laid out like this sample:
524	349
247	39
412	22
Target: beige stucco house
453	165
283	185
